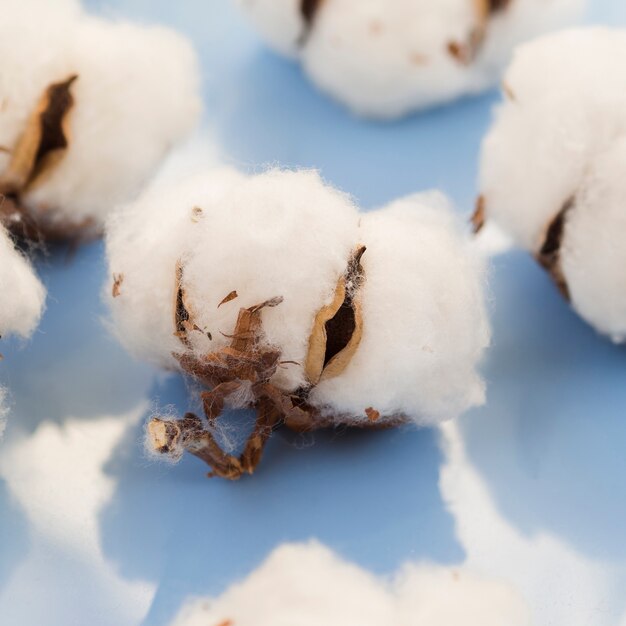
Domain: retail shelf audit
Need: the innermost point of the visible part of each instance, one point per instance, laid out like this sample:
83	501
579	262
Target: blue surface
548	447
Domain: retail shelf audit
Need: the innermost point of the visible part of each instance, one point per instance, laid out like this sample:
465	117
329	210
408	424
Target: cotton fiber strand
307	585
274	292
22	294
114	98
385	58
552	167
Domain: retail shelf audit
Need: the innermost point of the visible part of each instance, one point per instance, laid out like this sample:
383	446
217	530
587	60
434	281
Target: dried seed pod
386	58
84	118
551	172
317	587
283	298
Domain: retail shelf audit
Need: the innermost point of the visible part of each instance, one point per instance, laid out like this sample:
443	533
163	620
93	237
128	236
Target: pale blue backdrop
549	446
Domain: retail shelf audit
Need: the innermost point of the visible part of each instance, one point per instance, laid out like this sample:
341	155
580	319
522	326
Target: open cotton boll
385	58
424	322
551	167
23	296
86	117
317	587
273	293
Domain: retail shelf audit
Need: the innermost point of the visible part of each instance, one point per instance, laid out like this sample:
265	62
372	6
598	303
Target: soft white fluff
22	296
307	585
561	135
384	58
424	321
287	234
136	94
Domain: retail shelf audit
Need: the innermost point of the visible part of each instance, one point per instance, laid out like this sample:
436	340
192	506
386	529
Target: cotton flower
88	109
552	167
386	58
307	585
274	292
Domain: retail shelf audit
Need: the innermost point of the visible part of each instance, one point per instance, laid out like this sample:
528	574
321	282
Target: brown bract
478	217
38	150
244	369
549	255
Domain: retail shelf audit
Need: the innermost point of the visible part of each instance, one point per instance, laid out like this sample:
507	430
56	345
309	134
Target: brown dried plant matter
39	148
247	365
549	255
465	52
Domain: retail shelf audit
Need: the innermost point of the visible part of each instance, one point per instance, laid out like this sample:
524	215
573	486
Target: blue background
549	445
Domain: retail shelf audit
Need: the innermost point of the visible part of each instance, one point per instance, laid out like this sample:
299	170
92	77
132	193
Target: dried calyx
245	369
39	148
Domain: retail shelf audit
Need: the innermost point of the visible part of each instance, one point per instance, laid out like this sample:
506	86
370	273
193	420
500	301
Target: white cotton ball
285	234
22	295
385	58
135	96
424	321
307	585
282	234
368	320
557	147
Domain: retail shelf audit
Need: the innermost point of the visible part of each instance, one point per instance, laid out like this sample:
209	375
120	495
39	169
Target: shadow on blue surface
196	535
72	361
14	537
550	443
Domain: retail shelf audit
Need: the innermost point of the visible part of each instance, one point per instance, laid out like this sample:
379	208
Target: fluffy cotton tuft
385	58
22	294
552	167
287	235
136	94
424	321
307	585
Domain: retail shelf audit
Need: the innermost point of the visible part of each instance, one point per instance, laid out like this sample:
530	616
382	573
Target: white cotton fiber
135	96
307	585
424	321
385	58
22	296
559	142
288	235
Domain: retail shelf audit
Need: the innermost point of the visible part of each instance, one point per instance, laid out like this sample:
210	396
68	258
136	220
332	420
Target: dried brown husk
37	152
479	216
249	364
338	327
549	255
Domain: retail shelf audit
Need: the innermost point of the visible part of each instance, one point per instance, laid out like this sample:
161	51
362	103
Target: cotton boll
119	118
564	121
23	296
386	58
317	587
273	293
424	321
